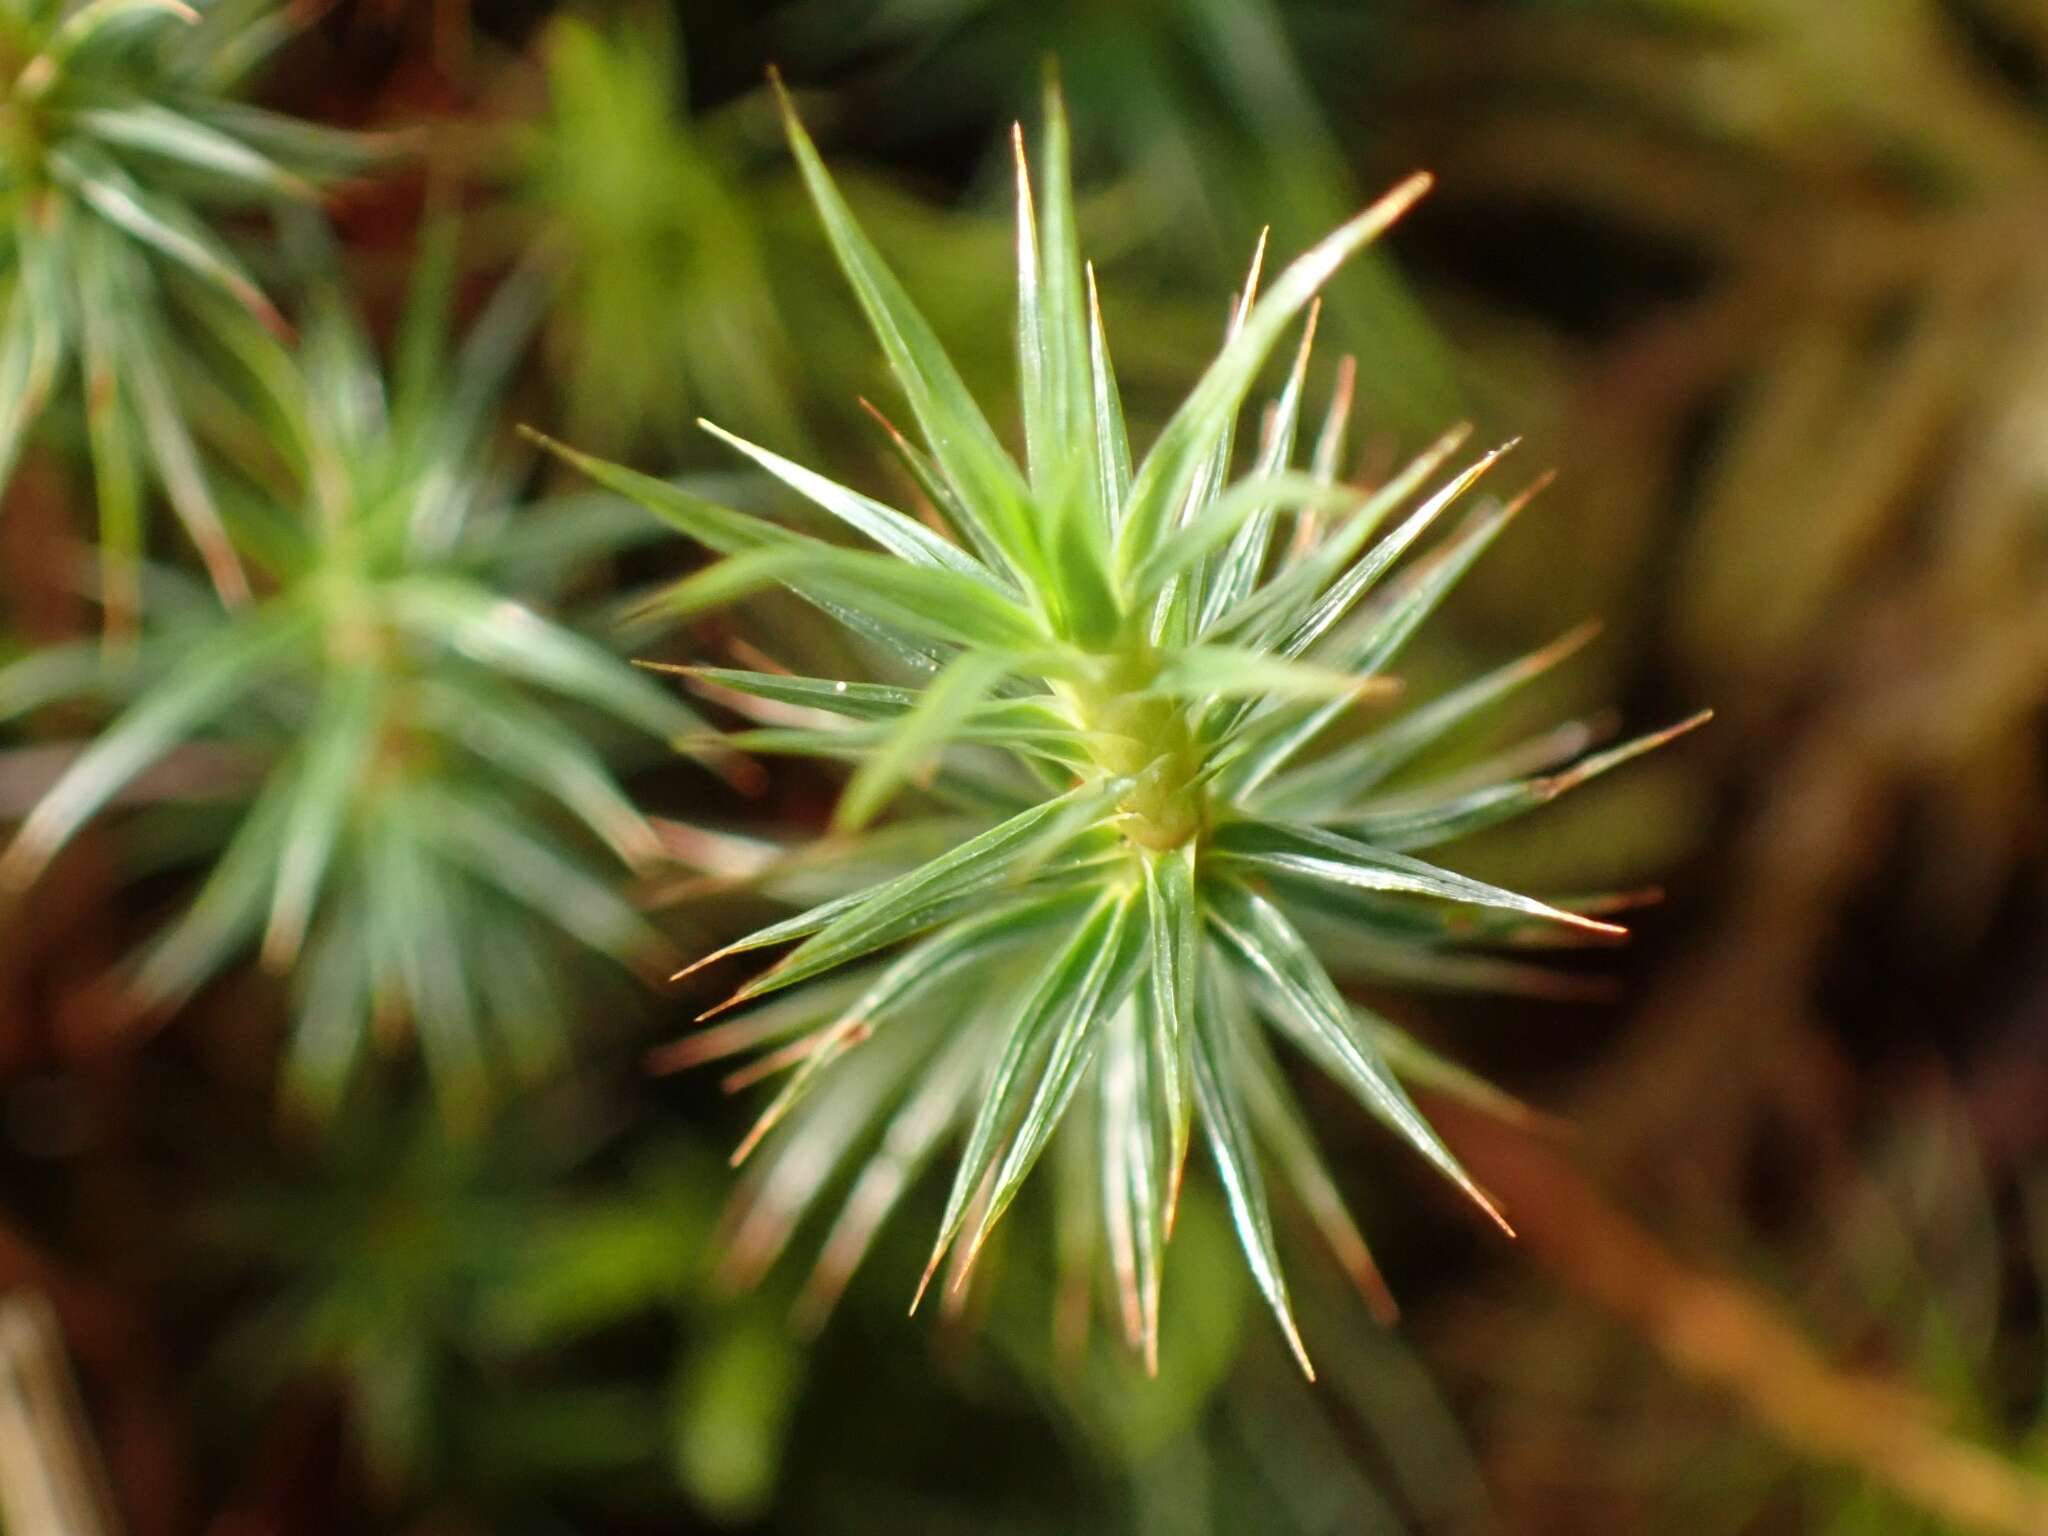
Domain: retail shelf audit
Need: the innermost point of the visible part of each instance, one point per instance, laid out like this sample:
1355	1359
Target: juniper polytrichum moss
425	846
120	133
1121	688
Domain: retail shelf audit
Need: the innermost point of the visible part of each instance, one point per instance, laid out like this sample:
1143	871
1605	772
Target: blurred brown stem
1722	1334
114	1350
52	1482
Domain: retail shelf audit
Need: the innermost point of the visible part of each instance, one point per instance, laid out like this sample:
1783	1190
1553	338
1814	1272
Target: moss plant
119	131
665	306
441	1288
428	850
1123	679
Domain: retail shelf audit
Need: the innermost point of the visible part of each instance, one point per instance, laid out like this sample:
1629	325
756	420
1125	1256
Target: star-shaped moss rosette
1126	676
431	844
120	136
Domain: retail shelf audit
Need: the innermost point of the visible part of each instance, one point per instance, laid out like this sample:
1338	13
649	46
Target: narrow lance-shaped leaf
1132	1177
178	136
1079	1217
419	966
1112	440
1048	742
1175	608
512	636
1425	824
966	447
943	706
1223	672
333	1012
1069	386
1346	591
1241	563
336	747
931	484
1273	608
1062	994
1375	636
858	701
116	197
936	605
1411	965
1328	462
1419	1066
225	913
1103	988
1378	635
215	673
1034	383
116	471
924	966
1174	931
1170	466
28	360
785	1179
1342	776
177	462
1217	1073
858	925
1306	1004
527	741
1277	1124
721	528
1314	853
731	532
1227	515
420	350
909	1141
97	18
901	536
506	852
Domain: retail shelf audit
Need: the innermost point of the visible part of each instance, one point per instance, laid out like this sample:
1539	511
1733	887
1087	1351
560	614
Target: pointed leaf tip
698	964
785	104
734	1001
1297	1348
1569	643
1529	492
1587	768
1576	920
1396	200
1484	1201
924	1281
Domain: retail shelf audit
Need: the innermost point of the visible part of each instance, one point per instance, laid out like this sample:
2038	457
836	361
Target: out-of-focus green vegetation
411	857
120	127
666	306
346	751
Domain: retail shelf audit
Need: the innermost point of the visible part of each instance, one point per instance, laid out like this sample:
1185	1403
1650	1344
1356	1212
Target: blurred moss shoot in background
533	929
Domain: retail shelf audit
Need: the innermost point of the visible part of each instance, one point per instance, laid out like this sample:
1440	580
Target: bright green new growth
426	848
117	128
665	306
1124	671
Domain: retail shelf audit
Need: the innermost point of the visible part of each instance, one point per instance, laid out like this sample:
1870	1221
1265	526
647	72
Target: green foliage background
335	1110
